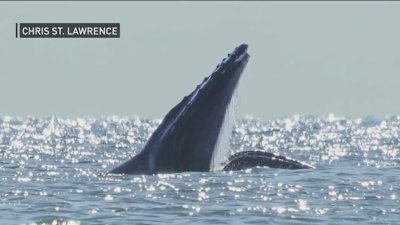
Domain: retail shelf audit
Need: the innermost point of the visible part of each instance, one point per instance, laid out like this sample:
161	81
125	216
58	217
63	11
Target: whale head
189	137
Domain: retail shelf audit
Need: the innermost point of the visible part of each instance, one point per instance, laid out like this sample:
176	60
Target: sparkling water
54	171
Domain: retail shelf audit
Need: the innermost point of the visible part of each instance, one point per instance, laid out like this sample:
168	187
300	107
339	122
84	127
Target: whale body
194	136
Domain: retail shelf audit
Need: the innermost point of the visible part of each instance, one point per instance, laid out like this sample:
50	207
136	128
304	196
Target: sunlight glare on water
54	171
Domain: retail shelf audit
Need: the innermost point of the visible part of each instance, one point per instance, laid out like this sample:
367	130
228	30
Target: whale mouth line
195	134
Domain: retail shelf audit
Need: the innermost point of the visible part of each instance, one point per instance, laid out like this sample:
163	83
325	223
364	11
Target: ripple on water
54	172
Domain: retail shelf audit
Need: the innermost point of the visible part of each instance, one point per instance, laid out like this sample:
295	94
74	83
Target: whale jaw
249	159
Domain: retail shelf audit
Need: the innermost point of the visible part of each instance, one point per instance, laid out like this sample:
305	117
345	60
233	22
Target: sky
307	58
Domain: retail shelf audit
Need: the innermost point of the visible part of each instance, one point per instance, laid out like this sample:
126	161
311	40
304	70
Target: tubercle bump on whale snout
241	49
237	55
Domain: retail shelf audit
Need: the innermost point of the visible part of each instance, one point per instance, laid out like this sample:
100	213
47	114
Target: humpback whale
194	136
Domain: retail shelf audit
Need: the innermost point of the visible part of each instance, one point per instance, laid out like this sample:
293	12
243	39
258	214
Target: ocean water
54	171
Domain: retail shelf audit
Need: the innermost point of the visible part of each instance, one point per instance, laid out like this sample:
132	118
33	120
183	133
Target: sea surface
54	171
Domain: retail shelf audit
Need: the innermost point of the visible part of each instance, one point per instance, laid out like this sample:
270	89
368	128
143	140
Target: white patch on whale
223	145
